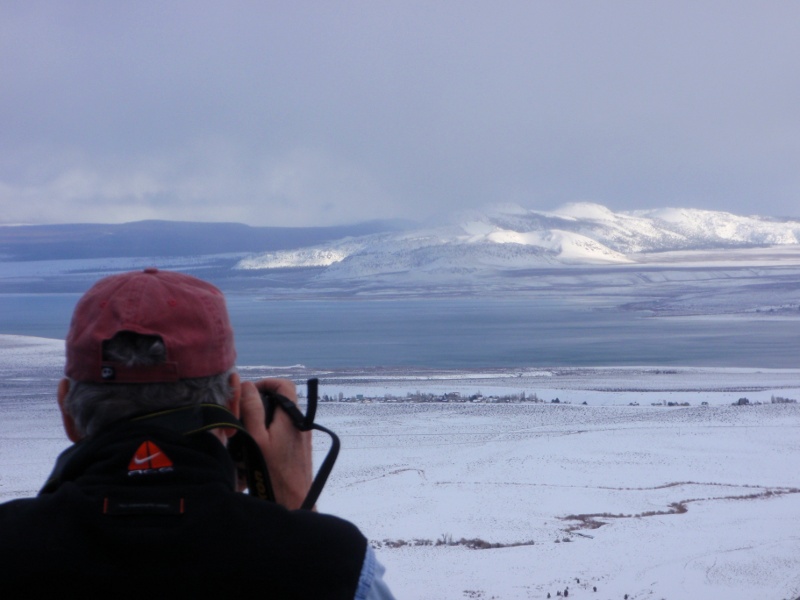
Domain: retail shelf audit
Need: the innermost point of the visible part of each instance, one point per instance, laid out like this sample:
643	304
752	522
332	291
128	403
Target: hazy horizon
306	114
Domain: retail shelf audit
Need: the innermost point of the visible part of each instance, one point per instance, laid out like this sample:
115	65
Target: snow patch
311	257
316	256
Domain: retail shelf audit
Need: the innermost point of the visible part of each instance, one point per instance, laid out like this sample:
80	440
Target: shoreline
616	385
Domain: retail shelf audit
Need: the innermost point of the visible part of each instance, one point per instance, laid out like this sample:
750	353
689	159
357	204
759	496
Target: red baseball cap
188	314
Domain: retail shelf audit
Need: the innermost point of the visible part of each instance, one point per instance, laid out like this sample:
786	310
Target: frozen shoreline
593	385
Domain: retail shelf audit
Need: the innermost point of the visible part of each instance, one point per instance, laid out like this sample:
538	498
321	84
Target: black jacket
143	510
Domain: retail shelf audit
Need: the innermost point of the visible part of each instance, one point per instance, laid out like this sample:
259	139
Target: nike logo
149	458
141	461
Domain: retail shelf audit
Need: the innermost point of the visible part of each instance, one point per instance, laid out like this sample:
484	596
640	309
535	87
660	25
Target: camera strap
191	420
305	423
243	448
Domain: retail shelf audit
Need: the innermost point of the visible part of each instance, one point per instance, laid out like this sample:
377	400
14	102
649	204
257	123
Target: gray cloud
319	113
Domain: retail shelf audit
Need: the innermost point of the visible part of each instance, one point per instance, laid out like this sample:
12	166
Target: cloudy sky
328	112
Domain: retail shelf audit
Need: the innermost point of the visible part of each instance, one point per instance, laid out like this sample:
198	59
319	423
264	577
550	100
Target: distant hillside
512	238
667	261
166	238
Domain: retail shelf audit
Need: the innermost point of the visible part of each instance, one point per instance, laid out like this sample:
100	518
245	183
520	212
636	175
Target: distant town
454	397
521	397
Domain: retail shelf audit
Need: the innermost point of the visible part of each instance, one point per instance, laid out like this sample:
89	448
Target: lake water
460	333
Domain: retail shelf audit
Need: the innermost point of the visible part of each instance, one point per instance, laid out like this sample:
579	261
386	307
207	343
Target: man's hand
286	450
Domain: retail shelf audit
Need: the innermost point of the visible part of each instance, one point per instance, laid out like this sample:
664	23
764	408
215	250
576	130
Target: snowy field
521	500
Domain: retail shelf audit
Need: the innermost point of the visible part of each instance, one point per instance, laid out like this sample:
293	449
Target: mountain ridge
662	261
511	237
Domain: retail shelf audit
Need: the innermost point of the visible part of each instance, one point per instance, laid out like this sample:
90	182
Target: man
147	499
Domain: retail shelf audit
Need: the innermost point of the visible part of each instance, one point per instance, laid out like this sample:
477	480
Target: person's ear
69	423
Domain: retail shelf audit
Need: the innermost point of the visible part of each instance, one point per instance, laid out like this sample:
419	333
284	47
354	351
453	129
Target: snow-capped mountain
511	237
668	261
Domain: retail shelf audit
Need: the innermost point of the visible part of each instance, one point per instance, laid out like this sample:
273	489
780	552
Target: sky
320	113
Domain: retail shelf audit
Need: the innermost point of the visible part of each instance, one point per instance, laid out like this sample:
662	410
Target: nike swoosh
140	461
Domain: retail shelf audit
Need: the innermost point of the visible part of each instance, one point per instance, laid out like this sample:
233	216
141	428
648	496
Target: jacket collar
141	453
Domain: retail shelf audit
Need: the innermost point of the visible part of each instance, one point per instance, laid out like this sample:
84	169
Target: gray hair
93	406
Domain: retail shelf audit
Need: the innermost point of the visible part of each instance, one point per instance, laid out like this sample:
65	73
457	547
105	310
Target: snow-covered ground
649	501
514	474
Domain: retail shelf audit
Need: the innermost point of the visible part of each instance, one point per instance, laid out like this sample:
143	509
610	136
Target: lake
461	333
